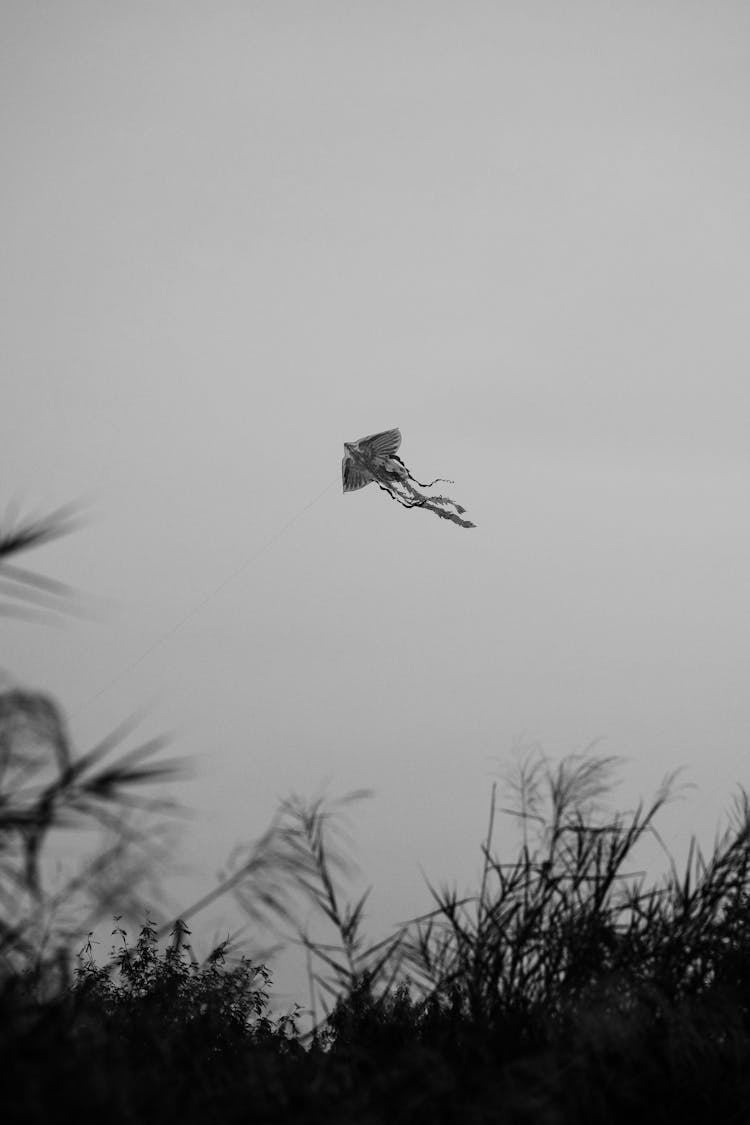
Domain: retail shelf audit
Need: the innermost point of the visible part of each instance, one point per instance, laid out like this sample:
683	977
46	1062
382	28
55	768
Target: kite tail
447	500
434	504
442	480
404	493
450	515
417	502
437	480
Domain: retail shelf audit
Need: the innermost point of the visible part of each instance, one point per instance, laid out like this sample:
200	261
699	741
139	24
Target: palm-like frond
24	593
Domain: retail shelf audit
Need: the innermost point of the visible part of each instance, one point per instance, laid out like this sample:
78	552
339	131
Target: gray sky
236	235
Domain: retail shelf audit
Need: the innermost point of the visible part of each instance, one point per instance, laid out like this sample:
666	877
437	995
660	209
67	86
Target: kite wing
353	476
380	445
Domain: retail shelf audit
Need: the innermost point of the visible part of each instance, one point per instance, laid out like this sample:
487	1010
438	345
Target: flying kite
375	458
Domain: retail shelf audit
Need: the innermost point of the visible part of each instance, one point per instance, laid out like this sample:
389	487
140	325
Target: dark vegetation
569	987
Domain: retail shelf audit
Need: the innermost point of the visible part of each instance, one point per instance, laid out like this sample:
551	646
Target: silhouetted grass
566	989
570	987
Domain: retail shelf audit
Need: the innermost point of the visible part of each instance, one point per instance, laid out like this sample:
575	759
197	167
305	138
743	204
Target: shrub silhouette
147	993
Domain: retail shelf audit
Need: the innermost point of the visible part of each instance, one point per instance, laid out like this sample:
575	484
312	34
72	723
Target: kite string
195	609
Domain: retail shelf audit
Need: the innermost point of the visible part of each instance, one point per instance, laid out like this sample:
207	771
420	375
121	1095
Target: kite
375	458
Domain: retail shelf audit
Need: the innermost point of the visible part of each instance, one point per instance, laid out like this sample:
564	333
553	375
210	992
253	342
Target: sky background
236	235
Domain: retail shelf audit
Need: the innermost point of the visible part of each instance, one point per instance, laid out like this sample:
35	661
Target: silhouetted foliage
145	992
45	787
565	990
569	988
25	593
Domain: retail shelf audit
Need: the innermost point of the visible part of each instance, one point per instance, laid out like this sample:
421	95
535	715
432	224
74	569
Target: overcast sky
236	235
